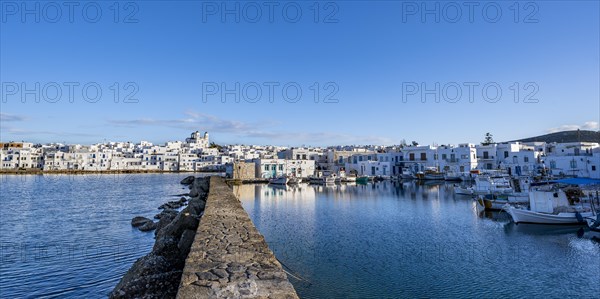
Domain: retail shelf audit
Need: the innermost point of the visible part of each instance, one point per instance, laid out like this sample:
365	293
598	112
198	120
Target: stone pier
229	258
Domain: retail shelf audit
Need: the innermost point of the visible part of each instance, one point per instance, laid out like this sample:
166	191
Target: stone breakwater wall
157	275
229	258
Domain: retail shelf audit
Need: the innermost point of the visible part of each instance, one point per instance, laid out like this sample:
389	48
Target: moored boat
452	176
553	205
282	180
495	202
362	179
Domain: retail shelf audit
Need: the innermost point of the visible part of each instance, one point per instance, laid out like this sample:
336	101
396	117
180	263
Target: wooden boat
362	180
282	180
494	202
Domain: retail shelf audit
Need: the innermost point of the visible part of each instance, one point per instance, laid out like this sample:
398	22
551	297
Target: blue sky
362	51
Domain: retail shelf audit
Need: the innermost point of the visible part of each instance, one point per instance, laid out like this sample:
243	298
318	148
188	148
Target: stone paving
229	258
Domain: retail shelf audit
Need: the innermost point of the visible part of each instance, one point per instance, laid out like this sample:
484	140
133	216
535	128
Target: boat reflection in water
541	229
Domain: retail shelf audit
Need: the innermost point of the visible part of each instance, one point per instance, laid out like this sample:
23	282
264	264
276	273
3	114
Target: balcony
485	158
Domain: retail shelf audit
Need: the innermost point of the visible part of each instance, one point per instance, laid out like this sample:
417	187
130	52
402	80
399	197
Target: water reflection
408	239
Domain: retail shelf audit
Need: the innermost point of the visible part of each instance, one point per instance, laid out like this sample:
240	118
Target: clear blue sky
368	52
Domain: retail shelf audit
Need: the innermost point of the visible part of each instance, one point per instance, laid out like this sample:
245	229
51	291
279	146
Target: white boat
488	185
433	175
293	180
320	178
492	202
407	174
452	176
348	179
342	177
282	180
550	206
527	216
463	190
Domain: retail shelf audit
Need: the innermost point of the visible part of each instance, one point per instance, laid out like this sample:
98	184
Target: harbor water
70	236
407	240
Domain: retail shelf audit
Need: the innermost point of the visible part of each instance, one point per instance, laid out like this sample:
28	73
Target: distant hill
565	136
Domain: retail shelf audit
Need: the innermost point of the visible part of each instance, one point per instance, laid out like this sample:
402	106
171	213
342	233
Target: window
486	155
552	164
304	156
525	159
266	167
573	164
505	154
280	167
593	167
443	156
423	156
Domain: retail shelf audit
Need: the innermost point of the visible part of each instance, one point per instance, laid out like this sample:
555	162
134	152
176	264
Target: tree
403	143
488	139
414	143
214	145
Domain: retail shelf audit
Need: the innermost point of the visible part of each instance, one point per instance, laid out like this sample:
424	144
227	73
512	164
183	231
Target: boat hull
527	216
278	181
362	180
433	177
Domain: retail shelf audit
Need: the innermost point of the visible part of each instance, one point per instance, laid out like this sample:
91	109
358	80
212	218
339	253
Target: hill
565	136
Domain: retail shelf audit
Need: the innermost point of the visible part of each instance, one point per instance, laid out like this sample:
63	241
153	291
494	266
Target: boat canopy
577	181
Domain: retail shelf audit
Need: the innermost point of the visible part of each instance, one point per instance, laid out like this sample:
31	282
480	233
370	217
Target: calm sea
404	240
70	236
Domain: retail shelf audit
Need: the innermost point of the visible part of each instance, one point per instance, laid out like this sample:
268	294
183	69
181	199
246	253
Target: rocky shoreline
158	274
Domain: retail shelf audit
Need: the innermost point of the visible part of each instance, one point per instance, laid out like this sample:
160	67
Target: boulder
139	221
158	274
148	226
188	180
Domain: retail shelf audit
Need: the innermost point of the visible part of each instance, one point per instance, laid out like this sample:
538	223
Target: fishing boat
460	190
452	176
362	180
552	204
342	177
281	180
321	178
496	202
485	184
348	179
284	180
433	175
293	180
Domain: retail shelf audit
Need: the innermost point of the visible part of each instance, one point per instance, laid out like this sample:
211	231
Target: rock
206	276
139	221
148	226
166	217
166	212
221	273
159	273
188	180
